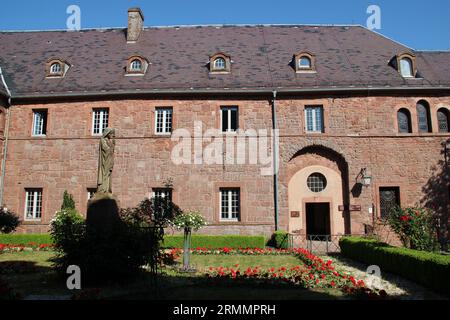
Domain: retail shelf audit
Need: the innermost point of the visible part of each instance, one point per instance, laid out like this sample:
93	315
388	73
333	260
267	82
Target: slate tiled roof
346	56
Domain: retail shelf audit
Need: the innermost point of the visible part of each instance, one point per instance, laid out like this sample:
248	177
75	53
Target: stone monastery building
362	123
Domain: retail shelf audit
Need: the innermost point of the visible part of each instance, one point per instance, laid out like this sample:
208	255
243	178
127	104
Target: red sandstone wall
363	130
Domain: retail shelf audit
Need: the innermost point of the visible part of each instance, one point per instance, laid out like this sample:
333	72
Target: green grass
244	261
25	238
30	273
38	258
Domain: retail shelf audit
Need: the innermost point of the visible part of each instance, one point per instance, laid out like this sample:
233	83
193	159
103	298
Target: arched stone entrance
317	187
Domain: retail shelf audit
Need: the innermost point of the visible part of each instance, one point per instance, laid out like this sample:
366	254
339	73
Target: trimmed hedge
170	241
24	239
429	269
280	240
233	241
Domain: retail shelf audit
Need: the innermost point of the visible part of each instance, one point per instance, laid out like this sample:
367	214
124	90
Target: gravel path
395	286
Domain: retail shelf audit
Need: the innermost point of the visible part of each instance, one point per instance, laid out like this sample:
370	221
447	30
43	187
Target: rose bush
416	227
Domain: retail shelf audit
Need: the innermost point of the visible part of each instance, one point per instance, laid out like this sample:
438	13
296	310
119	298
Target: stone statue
106	161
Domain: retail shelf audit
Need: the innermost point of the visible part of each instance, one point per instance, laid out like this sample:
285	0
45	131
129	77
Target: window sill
163	134
38	135
229	133
229	221
32	221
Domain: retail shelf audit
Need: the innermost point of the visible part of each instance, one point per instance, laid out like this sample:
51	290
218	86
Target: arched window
55	68
406	67
136	65
443	120
219	64
304	63
404	121
423	116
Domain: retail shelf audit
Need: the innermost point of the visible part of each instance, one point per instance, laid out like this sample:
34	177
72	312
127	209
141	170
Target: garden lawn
203	262
30	273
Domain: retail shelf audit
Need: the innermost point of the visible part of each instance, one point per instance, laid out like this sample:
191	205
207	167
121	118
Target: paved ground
395	286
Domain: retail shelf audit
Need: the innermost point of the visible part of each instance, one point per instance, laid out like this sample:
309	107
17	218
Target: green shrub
279	240
68	202
208	241
24	239
416	227
8	221
68	233
429	269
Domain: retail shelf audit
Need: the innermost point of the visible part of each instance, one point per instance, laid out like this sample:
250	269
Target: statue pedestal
102	214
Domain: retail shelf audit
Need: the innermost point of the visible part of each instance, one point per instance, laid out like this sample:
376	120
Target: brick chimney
135	24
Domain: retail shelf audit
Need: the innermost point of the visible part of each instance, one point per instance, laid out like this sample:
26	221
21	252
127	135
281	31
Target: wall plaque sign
295	214
352	207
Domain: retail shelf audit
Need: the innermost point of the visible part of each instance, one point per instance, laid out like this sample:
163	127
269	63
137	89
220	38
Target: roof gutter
5	147
267	91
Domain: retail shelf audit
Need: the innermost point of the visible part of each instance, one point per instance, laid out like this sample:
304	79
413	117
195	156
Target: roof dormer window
137	65
304	62
219	63
405	64
56	68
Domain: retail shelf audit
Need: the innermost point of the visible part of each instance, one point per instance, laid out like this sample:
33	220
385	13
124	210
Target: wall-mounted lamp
364	177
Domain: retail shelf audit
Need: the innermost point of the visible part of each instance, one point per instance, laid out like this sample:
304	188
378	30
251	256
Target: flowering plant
415	226
192	220
313	272
32	246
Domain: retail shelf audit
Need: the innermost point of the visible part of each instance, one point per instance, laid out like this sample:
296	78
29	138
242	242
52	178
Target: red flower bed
244	251
313	272
25	247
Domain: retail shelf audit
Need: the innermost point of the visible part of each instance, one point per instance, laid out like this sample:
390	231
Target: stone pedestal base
102	214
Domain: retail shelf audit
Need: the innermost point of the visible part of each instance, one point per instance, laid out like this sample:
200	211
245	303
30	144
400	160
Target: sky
421	25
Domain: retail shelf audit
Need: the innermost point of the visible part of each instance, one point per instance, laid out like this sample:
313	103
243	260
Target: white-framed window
314	119
56	68
230	204
304	63
90	193
229	119
39	122
162	193
99	121
33	204
406	67
219	64
136	65
163	120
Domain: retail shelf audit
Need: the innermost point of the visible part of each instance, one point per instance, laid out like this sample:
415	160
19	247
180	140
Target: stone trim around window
64	67
310	56
144	66
226	69
242	202
410	56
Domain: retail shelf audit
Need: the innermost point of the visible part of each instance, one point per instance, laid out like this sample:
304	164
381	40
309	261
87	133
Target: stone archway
331	164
